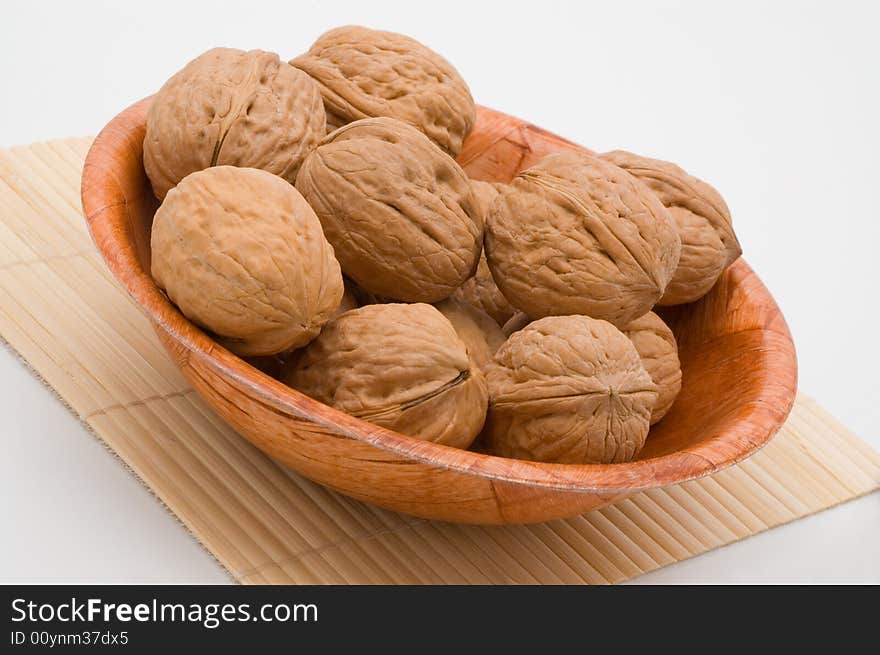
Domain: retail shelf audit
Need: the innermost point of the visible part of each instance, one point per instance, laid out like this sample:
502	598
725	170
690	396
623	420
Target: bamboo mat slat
63	313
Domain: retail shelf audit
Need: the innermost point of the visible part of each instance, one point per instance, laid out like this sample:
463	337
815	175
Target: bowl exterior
368	473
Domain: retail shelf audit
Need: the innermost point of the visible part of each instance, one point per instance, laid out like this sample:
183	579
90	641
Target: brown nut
708	243
479	331
365	73
232	107
241	253
399	366
485	194
397	209
516	323
361	296
576	234
568	389
349	297
480	290
659	352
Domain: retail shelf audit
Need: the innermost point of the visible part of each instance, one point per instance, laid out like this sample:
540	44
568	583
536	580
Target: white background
776	104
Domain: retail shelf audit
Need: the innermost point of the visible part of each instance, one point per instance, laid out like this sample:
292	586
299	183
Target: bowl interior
738	361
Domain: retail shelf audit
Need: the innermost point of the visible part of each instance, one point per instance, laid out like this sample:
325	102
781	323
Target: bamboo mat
61	310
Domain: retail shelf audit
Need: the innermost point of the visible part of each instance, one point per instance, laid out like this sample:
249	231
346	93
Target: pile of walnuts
313	214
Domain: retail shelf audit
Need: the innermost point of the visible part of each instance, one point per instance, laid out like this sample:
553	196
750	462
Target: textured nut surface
516	323
479	331
396	365
398	210
656	346
241	253
568	389
366	73
480	289
576	234
349	297
485	194
364	297
708	243
481	292
232	107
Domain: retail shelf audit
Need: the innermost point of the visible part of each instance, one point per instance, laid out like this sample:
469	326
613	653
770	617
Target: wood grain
739	369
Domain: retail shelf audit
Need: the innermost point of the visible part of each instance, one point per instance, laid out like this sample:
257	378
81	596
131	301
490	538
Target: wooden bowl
738	362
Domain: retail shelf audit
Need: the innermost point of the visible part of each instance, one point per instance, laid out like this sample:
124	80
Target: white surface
775	104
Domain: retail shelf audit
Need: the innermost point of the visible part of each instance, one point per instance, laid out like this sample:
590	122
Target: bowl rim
103	196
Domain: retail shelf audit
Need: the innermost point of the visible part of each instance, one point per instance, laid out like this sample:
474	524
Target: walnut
398	210
480	290
568	389
396	365
232	107
241	253
576	234
479	331
349	297
365	73
708	243
657	347
363	297
516	323
485	194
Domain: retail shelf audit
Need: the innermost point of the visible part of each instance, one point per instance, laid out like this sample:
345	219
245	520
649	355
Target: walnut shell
399	366
241	253
232	107
708	243
568	389
516	323
398	210
659	352
480	289
349	297
485	194
576	234
479	331
366	73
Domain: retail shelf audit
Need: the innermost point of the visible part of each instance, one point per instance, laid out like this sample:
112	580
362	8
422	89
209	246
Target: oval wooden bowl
738	361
